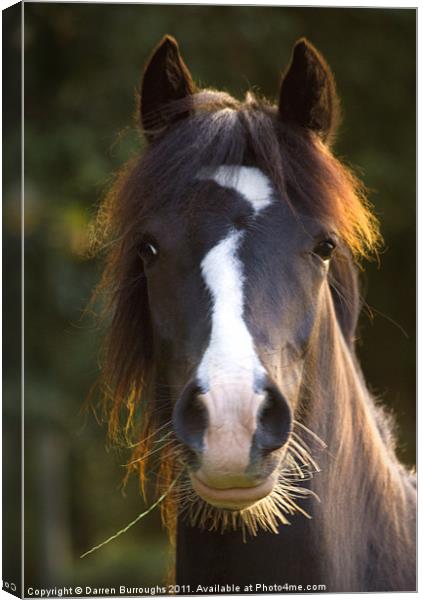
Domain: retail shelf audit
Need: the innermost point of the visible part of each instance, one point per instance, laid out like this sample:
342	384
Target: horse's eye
148	252
325	248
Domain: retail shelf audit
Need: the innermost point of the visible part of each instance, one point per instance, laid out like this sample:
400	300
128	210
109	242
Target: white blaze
230	353
231	356
250	182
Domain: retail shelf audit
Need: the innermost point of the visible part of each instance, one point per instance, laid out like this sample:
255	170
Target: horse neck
363	519
360	537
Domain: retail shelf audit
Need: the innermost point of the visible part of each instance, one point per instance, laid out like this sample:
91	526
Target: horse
232	248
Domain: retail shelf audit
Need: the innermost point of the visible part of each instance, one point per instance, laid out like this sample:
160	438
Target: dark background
82	65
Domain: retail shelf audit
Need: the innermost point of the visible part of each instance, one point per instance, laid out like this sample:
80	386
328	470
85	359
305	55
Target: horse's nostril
190	418
274	421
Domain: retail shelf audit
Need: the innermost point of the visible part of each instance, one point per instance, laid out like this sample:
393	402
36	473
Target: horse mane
345	289
220	130
370	493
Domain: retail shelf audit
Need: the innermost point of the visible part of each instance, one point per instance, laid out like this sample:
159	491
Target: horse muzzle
236	434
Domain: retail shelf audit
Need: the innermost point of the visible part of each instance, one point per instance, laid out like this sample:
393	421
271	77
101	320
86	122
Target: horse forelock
224	131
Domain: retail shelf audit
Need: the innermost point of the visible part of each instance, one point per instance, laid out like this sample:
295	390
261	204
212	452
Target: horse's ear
308	95
166	79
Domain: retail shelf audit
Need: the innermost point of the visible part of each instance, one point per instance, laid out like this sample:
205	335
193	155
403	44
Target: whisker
134	445
145	456
313	435
298	467
269	513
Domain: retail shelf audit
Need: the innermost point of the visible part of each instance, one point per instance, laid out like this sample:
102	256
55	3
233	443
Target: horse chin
233	499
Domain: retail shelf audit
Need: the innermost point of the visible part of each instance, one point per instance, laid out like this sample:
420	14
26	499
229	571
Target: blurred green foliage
82	67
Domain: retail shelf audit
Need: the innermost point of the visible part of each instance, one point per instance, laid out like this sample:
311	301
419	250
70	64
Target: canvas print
209	306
